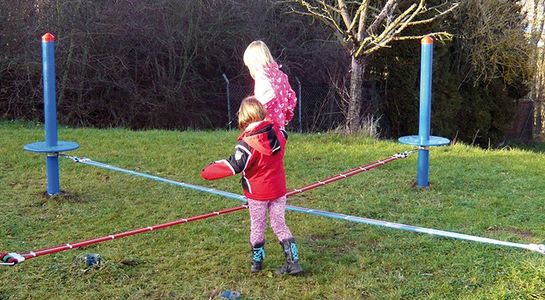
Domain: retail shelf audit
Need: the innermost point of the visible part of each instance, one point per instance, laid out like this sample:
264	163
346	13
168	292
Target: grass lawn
496	194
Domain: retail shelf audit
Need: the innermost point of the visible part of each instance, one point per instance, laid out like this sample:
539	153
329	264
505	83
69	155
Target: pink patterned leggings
258	219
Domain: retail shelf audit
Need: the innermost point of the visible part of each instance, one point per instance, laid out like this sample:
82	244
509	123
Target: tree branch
344	13
386	10
378	40
326	20
366	39
442	36
429	20
359	18
363	20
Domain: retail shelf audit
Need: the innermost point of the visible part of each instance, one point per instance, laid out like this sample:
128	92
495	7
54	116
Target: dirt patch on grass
63	196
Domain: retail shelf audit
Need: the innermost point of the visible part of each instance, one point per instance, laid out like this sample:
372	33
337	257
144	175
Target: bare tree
365	26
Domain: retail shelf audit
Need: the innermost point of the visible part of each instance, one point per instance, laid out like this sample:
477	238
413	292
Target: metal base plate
415	140
41	147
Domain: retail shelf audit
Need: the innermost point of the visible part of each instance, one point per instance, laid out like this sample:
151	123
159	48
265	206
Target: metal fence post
228	99
299	103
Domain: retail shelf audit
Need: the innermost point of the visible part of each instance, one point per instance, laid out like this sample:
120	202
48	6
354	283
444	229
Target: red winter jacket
259	156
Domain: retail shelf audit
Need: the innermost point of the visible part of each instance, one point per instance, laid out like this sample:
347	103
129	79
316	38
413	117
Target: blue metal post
50	112
422	177
51	146
424	140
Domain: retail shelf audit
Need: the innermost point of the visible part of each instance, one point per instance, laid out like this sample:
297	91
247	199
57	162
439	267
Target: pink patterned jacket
273	90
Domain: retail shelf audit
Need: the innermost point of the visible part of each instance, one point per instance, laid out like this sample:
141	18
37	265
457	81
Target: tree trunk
539	118
536	92
539	99
538	89
357	71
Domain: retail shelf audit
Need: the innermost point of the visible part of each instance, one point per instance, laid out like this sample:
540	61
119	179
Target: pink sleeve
292	101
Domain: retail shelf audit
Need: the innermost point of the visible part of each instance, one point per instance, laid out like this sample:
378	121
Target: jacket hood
262	137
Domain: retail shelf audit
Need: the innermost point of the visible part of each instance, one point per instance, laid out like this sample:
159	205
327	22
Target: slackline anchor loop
11	259
75	158
403	154
538	248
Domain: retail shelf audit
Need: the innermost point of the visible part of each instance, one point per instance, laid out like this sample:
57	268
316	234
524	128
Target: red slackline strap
343	175
11	259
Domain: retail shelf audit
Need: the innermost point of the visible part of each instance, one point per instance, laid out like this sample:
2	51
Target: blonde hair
257	56
251	110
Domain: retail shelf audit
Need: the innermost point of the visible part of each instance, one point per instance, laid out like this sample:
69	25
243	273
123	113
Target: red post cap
48	37
427	40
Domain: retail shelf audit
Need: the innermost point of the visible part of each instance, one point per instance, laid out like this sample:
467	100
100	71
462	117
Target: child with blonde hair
259	156
272	87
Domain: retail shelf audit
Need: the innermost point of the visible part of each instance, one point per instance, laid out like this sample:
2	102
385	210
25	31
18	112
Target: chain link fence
317	107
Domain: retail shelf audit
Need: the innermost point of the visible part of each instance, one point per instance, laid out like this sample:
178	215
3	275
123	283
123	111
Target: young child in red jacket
259	156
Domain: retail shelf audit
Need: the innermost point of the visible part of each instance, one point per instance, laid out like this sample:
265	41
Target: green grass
497	194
